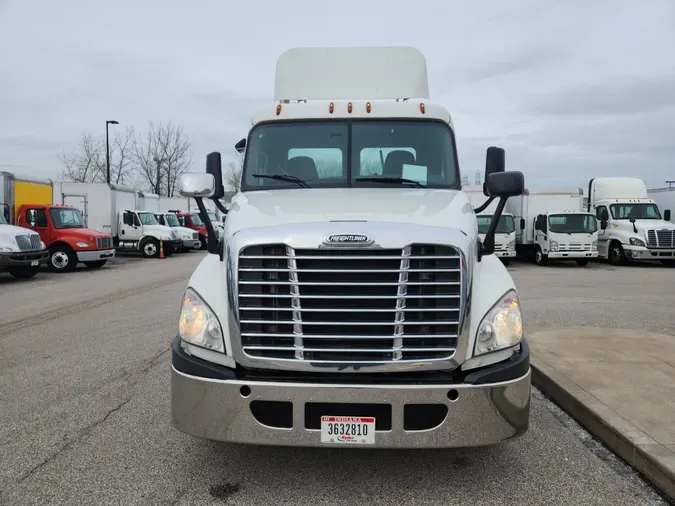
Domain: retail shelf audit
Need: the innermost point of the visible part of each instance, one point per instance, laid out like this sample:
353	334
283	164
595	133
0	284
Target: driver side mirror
603	225
604	215
522	223
494	164
214	166
195	185
31	217
666	215
505	184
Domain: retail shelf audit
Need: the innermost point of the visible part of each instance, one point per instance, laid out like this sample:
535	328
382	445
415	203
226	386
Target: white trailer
148	202
505	236
632	227
113	209
552	225
167	204
665	200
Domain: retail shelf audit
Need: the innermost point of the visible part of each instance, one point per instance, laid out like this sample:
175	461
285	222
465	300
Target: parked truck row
61	224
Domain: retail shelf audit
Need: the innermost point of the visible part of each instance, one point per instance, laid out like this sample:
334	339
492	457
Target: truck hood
84	233
431	207
9	232
643	225
161	232
185	231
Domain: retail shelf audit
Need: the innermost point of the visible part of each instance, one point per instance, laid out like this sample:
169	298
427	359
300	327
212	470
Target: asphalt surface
84	406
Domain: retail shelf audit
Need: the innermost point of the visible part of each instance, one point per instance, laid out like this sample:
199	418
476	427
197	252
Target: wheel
150	247
62	259
540	258
506	261
23	272
616	254
96	264
668	263
582	261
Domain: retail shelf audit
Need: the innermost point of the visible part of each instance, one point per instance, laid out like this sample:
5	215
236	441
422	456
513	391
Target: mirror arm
211	242
219	205
487	247
484	206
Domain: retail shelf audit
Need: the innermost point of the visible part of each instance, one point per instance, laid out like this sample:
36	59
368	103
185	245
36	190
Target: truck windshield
572	223
148	219
66	218
196	220
637	211
212	215
171	220
356	153
506	225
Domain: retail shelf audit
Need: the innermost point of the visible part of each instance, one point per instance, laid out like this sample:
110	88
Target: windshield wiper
283	177
399	180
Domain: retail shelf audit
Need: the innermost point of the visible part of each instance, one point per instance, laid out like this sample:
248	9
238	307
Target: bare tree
161	157
86	162
233	173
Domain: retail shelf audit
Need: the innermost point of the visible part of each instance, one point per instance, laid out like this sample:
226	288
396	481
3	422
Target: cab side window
600	211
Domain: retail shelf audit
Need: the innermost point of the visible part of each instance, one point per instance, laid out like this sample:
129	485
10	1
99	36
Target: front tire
62	259
539	257
23	272
616	254
668	263
506	261
150	248
96	264
581	262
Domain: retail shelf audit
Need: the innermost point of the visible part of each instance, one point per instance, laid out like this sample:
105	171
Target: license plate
348	430
35	263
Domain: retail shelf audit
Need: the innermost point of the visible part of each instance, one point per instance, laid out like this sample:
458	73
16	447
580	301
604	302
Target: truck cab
69	241
565	236
21	250
632	227
194	222
189	237
351	301
141	230
505	234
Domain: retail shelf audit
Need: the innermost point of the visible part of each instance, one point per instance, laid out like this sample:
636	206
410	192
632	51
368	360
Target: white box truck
189	237
664	198
113	209
552	225
631	224
505	236
351	301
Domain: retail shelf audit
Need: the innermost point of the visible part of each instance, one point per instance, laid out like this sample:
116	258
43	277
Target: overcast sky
572	89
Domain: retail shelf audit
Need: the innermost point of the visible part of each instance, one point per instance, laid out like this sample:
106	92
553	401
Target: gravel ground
84	396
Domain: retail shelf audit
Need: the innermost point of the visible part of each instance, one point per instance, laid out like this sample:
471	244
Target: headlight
512	244
594	246
83	245
636	242
42	245
5	249
502	326
554	246
198	324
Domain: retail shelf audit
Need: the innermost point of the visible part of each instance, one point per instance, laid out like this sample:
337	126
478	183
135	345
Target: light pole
107	148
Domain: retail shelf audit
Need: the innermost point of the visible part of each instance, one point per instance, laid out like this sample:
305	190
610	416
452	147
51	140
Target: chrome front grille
28	242
195	236
104	243
350	305
660	238
575	246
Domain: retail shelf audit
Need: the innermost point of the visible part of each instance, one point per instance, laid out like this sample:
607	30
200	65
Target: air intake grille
104	243
350	305
661	238
28	242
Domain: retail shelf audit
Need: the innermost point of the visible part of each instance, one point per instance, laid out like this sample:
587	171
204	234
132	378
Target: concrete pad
620	385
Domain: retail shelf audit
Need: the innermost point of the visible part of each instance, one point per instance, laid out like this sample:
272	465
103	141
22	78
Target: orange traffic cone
161	248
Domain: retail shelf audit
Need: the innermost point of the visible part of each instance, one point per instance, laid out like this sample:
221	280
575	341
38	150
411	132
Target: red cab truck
65	234
193	221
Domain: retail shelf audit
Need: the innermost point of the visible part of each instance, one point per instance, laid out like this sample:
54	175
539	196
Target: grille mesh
350	305
661	238
28	242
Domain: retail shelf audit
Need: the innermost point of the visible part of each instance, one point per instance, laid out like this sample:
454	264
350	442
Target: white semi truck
631	224
21	250
551	224
113	209
505	235
351	301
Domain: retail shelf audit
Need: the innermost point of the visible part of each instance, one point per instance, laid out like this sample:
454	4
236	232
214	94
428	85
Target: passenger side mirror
522	223
240	146
603	225
31	217
494	164
666	215
214	166
604	215
505	184
127	219
195	185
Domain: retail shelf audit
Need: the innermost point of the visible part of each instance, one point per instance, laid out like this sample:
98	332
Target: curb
651	459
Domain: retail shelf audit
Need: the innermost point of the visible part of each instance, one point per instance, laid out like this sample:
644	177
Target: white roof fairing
351	73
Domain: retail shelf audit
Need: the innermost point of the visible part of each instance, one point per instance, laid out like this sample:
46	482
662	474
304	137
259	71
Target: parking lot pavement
85	417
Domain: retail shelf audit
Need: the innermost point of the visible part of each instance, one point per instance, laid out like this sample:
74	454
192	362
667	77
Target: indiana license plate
35	263
348	430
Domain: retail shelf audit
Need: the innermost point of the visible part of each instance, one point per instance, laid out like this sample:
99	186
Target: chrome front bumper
93	256
192	243
571	255
506	254
221	409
